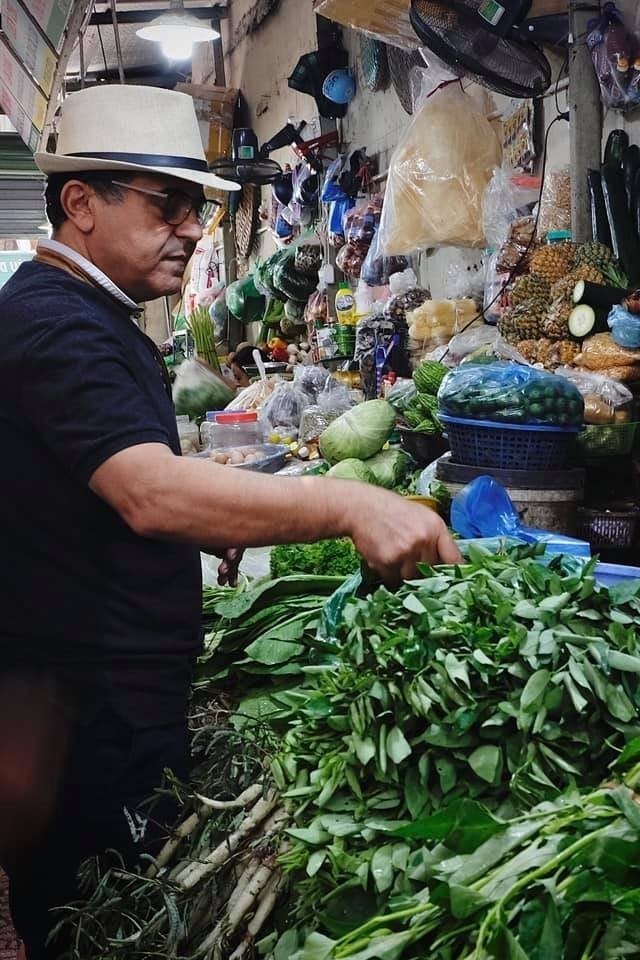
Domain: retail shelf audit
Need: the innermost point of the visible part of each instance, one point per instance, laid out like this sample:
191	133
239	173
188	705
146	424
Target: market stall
448	769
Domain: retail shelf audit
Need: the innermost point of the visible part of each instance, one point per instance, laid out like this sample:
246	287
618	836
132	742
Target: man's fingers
447	549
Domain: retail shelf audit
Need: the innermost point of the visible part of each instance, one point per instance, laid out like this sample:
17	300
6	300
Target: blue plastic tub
609	574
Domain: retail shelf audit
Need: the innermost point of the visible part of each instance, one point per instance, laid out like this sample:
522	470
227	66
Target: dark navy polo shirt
116	614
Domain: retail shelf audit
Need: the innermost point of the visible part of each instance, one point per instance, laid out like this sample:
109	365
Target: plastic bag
401	395
613	51
350	260
244	300
600	352
555	202
515	253
499	207
625	328
464	276
605	400
439	172
484	509
282	411
317	308
435	322
508	393
198	389
371	333
254	396
377	270
311	381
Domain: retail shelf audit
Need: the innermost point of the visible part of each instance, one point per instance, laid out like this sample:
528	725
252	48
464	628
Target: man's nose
190	229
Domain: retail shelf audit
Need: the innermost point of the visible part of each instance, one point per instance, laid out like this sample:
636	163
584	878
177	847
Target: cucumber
624	240
599	224
614	152
630	167
583	321
596	295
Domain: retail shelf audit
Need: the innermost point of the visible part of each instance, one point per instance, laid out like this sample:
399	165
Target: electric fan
486	40
247	163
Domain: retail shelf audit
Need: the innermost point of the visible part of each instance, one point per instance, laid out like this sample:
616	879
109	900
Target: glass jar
236	429
189	436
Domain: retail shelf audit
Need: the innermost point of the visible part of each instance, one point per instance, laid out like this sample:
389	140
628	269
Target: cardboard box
386	19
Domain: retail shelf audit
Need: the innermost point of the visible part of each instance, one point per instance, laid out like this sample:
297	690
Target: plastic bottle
345	306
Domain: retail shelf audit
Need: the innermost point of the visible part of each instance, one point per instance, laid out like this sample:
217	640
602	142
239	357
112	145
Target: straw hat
123	127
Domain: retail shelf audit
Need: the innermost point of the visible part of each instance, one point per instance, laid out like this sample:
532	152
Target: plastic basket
607	440
485	443
611	574
615	529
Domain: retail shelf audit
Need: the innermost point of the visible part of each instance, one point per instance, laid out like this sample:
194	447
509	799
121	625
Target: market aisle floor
8	945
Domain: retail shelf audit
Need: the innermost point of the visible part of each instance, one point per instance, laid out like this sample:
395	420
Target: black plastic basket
485	443
612	529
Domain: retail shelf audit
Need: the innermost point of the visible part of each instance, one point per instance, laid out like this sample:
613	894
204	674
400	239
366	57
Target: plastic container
236	429
272	456
612	529
345	306
607	440
484	443
207	426
189	435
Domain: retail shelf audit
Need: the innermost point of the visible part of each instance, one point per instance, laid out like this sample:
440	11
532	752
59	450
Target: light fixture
176	31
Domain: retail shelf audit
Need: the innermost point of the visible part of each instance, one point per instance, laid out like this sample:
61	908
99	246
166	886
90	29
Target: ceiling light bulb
176	31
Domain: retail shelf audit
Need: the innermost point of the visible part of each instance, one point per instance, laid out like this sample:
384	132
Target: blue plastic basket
485	443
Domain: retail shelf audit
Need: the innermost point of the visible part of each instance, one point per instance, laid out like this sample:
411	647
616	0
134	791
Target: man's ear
78	202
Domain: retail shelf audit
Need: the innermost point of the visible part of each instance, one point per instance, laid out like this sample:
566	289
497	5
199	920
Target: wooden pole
585	109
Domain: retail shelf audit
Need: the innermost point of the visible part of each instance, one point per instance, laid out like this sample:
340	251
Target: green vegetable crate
608	440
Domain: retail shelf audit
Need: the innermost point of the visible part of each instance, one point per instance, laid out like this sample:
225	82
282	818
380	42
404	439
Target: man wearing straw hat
102	519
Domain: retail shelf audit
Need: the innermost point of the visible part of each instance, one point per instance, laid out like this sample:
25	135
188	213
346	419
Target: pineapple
556	322
553	261
587	273
527	288
528	349
594	254
523	322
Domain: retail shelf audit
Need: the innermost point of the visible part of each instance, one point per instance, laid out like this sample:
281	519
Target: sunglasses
176	205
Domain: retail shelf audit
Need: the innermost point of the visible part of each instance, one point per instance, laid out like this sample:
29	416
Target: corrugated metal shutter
21	190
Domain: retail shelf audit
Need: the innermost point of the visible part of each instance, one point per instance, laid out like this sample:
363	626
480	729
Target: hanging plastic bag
198	389
507	393
506	198
613	52
439	172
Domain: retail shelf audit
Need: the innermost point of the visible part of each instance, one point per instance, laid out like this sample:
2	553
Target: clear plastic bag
311	381
604	398
439	172
613	51
464	276
555	202
508	393
505	199
197	389
282	411
254	396
601	352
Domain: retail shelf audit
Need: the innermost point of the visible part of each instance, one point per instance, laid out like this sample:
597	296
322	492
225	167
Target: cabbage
360	432
351	469
389	468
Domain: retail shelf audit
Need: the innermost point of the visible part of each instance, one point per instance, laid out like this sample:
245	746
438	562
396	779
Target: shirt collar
90	269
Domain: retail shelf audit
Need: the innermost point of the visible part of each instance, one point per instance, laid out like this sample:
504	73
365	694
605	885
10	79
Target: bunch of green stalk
201	328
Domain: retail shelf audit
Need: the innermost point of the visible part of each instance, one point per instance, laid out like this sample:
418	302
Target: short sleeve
83	396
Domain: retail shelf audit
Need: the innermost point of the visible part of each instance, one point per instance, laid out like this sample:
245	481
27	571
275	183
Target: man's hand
394	535
228	569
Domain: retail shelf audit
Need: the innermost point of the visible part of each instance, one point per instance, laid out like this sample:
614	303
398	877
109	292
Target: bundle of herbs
438	755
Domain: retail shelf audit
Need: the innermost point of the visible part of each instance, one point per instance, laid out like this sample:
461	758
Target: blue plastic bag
625	328
484	509
506	392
